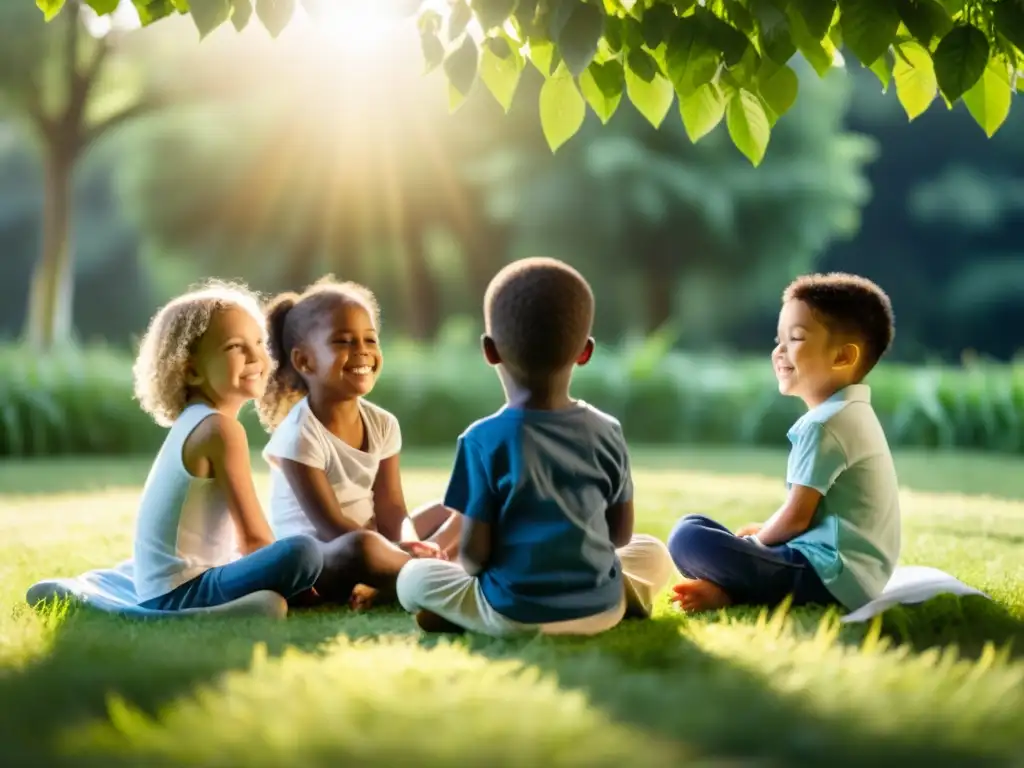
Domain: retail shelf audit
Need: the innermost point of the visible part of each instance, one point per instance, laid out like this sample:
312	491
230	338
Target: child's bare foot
431	622
362	598
696	595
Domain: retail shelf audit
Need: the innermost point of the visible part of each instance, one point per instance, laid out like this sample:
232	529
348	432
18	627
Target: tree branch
144	106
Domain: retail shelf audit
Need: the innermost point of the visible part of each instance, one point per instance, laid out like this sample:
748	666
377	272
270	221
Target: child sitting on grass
836	539
334	456
202	543
544	484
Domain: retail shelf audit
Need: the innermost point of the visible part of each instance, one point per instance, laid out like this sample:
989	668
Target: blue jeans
289	566
749	573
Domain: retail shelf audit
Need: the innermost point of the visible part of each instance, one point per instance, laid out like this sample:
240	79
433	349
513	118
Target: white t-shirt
302	438
184	526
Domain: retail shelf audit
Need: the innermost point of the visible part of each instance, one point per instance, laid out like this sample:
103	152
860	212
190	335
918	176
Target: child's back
553	474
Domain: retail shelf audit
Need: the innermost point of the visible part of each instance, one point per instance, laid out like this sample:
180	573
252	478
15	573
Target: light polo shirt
839	449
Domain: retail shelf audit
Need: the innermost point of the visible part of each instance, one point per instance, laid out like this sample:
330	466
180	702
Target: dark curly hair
290	319
851	305
539	312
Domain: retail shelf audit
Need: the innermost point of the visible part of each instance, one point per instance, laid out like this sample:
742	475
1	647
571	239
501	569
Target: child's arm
227	448
475	547
317	499
816	461
620	519
469	492
389	507
792	518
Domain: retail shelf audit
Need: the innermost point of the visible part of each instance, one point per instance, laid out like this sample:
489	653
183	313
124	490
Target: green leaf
882	69
809	44
209	14
602	86
492	13
432	49
988	100
50	8
723	36
105	7
960	59
455	98
702	110
924	19
776	41
817	15
1008	16
562	109
869	27
748	125
501	75
241	13
429	21
914	75
613	33
658	24
579	35
691	60
275	14
652	99
544	56
154	11
778	87
500	46
462	64
642	64
458	19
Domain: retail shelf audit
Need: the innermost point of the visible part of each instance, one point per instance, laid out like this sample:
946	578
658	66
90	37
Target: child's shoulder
378	416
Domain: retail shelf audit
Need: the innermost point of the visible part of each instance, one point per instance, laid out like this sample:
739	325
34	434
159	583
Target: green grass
332	688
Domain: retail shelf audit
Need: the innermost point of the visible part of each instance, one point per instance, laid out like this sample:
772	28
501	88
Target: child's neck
337	415
822	394
229	409
553	396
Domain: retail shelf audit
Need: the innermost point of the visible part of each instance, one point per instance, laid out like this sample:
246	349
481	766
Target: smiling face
809	362
230	364
342	357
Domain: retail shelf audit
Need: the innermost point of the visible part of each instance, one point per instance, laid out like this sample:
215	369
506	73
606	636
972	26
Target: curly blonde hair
170	340
290	318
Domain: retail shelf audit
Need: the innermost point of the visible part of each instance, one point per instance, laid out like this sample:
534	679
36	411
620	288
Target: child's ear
848	356
301	362
490	350
587	353
192	377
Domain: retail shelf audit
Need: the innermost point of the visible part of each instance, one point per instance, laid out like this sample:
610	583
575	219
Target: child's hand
750	529
420	549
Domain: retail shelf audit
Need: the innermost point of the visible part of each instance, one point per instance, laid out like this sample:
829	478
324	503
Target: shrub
80	401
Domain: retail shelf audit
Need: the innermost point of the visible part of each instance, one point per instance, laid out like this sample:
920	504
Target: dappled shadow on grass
93	655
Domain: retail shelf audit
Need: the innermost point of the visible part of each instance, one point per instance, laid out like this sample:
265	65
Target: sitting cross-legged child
836	539
544	484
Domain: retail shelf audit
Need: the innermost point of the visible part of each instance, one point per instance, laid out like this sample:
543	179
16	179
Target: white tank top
184	526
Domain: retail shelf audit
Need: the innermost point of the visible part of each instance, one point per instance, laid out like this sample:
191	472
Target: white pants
445	589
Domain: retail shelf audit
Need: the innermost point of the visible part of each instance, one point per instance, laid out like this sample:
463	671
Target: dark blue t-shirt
544	481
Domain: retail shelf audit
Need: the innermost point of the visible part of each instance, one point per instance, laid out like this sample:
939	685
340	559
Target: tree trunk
48	322
424	308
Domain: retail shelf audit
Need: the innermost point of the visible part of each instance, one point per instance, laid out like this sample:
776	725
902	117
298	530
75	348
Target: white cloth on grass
908	585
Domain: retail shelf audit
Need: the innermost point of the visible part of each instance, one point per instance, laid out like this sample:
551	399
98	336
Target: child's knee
656	556
413	583
686	541
304	556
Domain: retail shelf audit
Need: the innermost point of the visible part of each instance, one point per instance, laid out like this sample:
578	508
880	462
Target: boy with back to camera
836	539
544	484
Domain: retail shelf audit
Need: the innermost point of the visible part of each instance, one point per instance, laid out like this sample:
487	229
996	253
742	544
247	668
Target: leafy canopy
720	59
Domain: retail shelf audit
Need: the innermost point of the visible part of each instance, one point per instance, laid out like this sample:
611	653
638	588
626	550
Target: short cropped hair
291	317
539	312
160	370
851	305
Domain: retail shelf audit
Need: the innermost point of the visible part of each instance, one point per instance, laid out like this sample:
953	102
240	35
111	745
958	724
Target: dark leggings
751	574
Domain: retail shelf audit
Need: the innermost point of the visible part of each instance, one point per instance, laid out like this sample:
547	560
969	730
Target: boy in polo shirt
836	539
